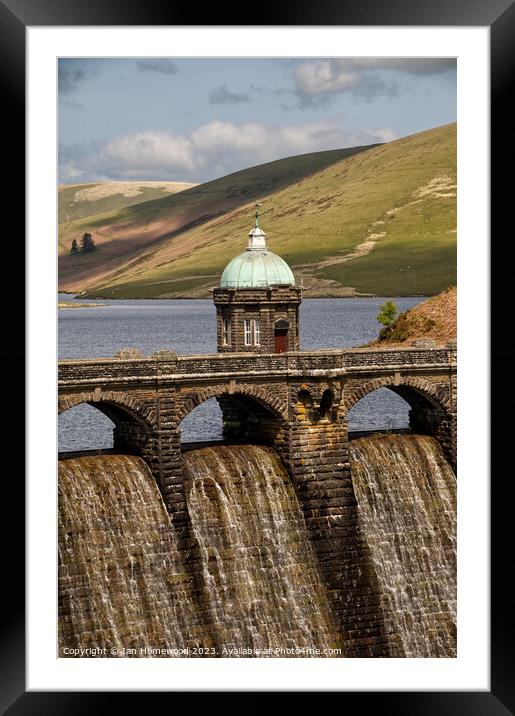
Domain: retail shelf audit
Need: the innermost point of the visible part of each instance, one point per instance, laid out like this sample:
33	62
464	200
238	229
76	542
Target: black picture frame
499	15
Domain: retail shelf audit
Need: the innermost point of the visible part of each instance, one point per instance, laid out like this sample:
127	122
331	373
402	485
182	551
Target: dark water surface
189	327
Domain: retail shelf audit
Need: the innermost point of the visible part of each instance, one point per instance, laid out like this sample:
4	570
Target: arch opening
326	410
230	418
83	428
203	424
100	426
379	410
396	408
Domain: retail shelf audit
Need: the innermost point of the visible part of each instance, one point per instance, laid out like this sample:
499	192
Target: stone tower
257	303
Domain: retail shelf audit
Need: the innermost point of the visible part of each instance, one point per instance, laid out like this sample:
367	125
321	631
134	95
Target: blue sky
198	119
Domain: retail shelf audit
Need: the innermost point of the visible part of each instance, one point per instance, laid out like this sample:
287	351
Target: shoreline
63	304
208	298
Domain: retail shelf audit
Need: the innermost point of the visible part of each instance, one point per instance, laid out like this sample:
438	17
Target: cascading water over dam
122	583
406	494
244	581
259	569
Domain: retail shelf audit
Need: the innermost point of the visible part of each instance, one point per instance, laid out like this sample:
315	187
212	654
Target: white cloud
323	77
148	151
317	81
209	151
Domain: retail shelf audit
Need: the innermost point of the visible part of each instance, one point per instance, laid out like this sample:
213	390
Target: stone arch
437	396
281	324
431	409
113	404
260	394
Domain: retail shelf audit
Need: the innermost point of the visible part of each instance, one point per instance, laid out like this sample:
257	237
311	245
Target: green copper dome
257	267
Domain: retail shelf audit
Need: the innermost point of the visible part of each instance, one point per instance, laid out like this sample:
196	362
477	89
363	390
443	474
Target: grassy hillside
377	221
77	201
122	235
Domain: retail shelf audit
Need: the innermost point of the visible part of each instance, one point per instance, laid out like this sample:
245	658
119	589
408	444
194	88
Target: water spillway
244	579
406	495
122	583
259	569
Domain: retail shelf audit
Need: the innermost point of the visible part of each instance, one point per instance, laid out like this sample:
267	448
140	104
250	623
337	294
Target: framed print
169	142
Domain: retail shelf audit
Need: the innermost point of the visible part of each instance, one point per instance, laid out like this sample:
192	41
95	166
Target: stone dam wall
298	404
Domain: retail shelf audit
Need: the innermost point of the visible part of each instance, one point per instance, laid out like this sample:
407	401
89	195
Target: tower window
247	325
252	332
226	332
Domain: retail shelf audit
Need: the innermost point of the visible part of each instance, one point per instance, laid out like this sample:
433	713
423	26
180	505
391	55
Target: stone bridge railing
178	368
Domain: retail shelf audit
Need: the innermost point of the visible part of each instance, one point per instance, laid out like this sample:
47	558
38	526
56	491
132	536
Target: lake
188	327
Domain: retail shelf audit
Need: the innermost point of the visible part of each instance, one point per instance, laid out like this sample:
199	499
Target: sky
196	119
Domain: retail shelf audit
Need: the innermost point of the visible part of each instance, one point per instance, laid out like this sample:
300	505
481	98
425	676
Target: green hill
77	201
378	220
122	235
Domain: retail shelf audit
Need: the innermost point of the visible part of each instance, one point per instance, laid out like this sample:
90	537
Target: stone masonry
273	306
298	402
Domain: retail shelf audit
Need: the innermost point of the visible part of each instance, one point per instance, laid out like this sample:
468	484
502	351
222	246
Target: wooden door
281	340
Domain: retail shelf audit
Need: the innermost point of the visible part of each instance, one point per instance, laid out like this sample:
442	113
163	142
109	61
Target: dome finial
257	205
257	237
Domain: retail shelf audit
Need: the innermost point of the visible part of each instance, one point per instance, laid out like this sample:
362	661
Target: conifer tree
87	243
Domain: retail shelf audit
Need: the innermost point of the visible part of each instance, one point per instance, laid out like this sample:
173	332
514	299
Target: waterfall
121	581
406	495
260	575
243	579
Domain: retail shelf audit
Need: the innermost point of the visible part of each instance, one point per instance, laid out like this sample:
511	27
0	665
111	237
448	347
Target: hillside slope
121	236
78	201
380	221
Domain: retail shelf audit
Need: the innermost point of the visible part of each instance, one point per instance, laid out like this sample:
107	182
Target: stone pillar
161	450
446	436
426	420
316	454
453	416
171	477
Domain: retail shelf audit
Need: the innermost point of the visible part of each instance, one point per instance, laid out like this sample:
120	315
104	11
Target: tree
387	313
74	249
87	243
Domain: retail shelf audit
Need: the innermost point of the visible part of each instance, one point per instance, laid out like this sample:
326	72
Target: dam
290	538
